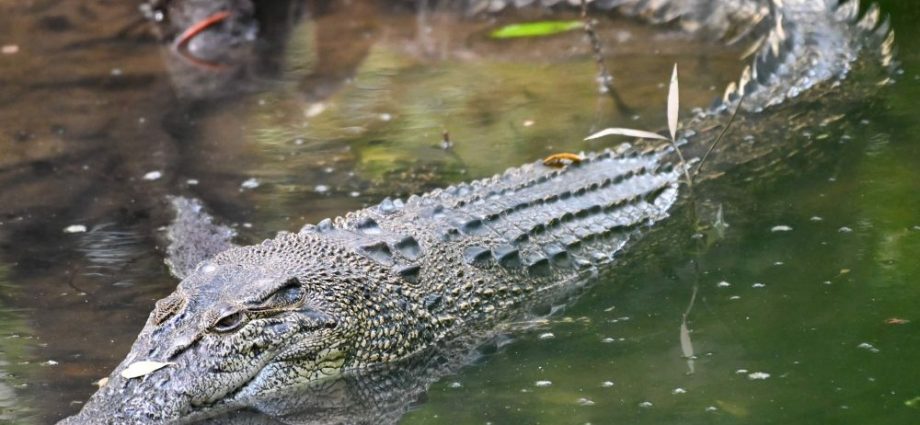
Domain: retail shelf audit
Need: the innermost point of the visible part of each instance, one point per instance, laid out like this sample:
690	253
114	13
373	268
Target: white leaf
629	132
673	103
142	368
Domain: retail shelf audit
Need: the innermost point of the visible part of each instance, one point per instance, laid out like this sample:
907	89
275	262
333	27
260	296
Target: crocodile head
243	325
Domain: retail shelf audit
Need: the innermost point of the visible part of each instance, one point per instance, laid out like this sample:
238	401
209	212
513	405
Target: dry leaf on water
142	368
629	132
673	103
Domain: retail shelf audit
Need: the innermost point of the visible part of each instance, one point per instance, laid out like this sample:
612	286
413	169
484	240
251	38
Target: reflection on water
15	345
334	106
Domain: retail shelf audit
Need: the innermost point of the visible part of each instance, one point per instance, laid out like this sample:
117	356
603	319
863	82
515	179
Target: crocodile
393	283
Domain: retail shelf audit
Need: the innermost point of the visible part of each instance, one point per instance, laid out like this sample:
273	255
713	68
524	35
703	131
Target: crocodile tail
809	43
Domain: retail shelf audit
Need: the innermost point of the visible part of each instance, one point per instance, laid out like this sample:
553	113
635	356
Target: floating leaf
142	368
914	402
629	132
673	103
535	29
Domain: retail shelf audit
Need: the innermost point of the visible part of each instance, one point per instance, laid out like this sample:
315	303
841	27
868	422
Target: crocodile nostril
179	346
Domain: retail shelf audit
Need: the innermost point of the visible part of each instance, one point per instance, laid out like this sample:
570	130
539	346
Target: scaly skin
392	282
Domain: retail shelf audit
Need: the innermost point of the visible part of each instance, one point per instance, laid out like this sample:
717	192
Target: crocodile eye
229	322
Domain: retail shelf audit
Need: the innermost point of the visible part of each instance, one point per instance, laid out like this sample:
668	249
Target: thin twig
683	164
603	74
721	134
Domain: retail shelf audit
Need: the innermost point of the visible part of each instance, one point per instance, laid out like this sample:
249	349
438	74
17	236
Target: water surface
340	108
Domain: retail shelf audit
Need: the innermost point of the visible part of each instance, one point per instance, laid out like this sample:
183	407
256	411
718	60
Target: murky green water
817	324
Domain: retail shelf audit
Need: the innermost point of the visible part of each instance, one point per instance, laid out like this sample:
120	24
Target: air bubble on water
646	404
869	347
75	228
844	229
456	385
816	218
678	391
607	384
741	371
153	175
321	188
781	228
758	376
723	284
543	384
585	402
250	183
758	285
547	335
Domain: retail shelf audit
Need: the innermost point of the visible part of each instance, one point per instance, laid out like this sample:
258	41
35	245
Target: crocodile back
475	250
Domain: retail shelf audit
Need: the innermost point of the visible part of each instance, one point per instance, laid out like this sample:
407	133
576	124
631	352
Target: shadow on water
316	108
